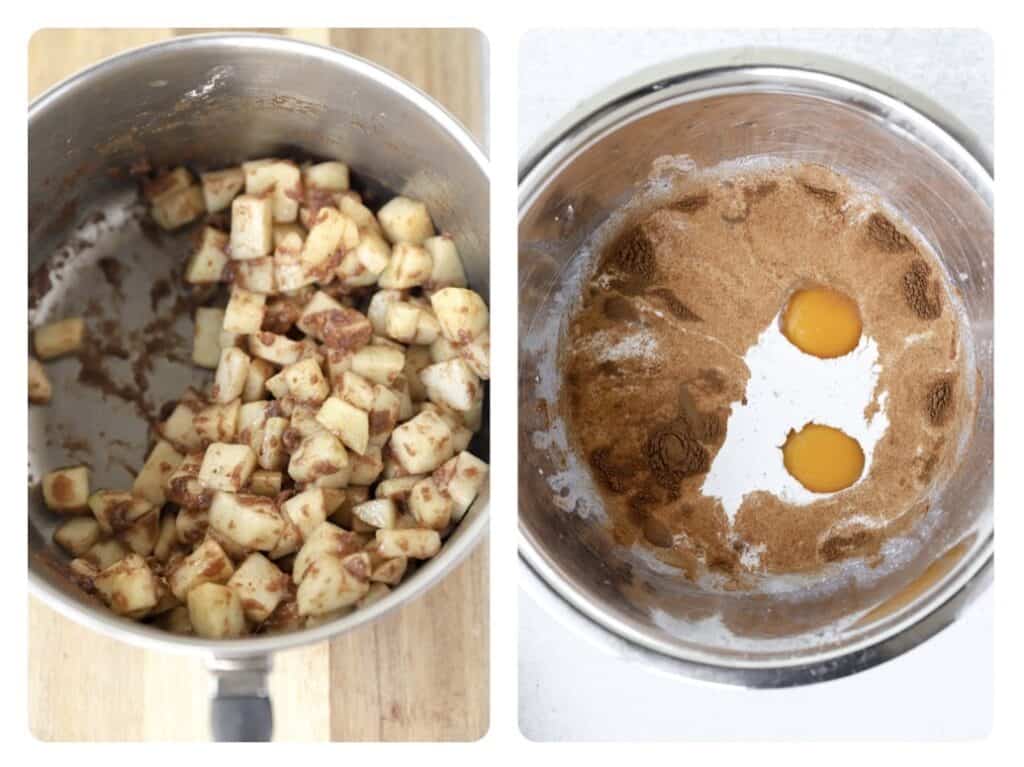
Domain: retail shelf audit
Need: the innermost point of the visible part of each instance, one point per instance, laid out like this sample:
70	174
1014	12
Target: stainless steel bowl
792	630
208	101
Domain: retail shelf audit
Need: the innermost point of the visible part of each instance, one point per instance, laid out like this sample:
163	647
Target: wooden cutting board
418	674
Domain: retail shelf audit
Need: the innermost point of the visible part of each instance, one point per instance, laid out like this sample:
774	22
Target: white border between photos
503	23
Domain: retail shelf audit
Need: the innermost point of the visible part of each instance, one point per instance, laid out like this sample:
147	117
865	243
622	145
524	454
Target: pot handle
239	700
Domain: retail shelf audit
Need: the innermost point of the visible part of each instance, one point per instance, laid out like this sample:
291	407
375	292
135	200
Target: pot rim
693	78
470	532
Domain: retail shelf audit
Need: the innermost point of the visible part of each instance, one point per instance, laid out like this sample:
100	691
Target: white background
571	689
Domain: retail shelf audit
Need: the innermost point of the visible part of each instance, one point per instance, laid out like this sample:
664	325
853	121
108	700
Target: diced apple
152	479
326	539
328	176
306	382
431	508
378	513
260	585
275	348
217	422
380	364
178	207
306	510
408	267
227	467
462	314
40	390
422	444
67	490
252	221
320	457
59	338
347	422
117	510
251	521
272	454
206	337
446	265
405	220
215	612
452	384
412	543
77	535
366	468
281	180
128	586
220	187
192	524
461	478
328	585
255	387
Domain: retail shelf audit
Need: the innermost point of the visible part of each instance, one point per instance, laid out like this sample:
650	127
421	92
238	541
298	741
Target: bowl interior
206	103
602	164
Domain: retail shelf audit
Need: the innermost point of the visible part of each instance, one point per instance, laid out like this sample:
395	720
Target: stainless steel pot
208	101
793	630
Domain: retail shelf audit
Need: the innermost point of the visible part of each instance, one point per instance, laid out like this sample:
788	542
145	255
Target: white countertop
571	689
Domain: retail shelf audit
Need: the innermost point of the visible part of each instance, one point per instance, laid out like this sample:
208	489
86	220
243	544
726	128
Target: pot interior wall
788	618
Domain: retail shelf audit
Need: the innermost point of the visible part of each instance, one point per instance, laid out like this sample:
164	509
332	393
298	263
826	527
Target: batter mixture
715	438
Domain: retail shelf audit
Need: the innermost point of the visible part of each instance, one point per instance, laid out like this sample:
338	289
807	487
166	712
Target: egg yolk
822	322
823	459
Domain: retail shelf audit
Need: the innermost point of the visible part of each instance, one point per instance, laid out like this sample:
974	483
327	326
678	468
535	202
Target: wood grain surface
418	674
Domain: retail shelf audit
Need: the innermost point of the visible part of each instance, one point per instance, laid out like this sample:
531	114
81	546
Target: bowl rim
471	531
695	77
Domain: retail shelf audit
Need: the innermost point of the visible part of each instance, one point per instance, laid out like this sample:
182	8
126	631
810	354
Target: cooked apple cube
192	525
40	390
244	313
290	272
408	267
338	326
356	390
319	457
220	187
401	321
67	490
256	275
347	422
446	265
178	207
142	534
363	265
77	535
462	314
365	469
306	510
206	564
282	180
217	422
328	585
206	337
326	539
306	382
384	414
265	483
398	488
260	585
59	338
330	236
251	521
255	387
215	612
287	232
377	310
152	479
412	543
329	176
405	220
431	508
116	510
167	542
272	454
128	586
275	348
422	444
378	513
105	553
389	571
252	221
351	204
477	354
461	478
227	467
380	364
230	378
452	384
206	266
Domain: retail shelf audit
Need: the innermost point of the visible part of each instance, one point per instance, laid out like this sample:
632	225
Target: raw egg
822	322
823	459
